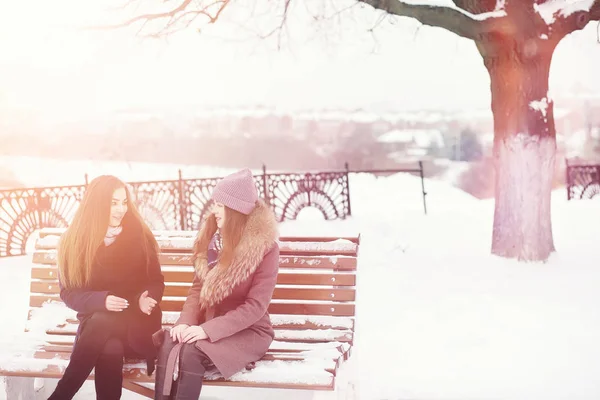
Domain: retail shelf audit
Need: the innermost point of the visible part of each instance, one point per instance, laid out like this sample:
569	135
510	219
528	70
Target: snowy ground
437	316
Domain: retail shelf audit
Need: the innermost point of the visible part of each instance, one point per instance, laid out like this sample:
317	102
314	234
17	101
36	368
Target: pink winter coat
230	301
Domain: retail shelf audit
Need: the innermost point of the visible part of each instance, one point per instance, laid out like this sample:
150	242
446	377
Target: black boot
192	366
167	344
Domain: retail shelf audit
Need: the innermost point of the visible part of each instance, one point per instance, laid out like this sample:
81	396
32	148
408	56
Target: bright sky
47	63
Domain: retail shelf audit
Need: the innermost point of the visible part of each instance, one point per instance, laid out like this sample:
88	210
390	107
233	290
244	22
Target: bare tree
516	40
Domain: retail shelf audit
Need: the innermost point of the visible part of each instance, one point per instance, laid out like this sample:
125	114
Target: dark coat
122	270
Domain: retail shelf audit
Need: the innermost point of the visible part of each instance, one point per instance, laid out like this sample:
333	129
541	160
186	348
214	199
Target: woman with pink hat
224	324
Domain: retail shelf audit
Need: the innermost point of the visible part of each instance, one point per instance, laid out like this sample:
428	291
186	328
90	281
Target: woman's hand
176	332
193	333
146	303
116	304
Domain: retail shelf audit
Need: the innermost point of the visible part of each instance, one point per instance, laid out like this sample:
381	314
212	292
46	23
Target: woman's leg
109	370
192	366
90	344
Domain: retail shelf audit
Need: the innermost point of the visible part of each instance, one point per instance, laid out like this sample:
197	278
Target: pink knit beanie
237	191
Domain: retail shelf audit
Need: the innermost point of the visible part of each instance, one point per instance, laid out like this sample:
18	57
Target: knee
192	358
113	348
167	344
189	350
101	318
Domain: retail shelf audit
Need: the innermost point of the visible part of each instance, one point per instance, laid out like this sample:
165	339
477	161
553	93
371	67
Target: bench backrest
316	285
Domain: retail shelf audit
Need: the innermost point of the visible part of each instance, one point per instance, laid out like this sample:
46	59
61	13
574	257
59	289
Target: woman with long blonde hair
224	325
110	274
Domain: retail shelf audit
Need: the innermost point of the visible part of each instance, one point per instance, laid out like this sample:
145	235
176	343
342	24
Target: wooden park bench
312	310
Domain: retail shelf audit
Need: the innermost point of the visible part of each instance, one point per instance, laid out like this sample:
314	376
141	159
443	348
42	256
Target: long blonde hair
231	232
80	242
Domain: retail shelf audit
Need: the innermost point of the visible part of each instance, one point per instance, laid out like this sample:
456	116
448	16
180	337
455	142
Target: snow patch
311	334
335	245
281	319
540	105
562	8
308	371
48	242
25	362
49	316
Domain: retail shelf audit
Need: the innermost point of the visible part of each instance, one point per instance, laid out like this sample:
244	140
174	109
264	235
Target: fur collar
259	236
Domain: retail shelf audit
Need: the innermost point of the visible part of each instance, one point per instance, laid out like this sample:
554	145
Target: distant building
408	144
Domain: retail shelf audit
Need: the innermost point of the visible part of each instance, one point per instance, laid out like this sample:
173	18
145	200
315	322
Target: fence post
567	181
86	180
423	186
38	208
347	166
182	204
266	185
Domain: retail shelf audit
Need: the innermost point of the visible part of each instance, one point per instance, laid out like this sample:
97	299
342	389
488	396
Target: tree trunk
524	152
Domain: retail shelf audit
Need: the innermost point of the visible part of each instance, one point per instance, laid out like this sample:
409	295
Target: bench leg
18	387
347	383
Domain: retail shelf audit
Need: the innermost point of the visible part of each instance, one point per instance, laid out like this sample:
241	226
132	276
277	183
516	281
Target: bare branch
595	11
339	12
279	28
437	16
149	17
454	20
377	23
220	10
173	17
574	18
459	21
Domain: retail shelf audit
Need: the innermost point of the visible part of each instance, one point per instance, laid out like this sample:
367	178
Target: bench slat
65	355
291	335
299	322
334	309
325	279
337	247
139	375
184	245
61	343
193	233
289	322
342	263
284	277
282	293
336	263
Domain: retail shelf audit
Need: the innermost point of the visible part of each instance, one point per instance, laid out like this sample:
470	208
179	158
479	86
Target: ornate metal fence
177	204
583	180
22	211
